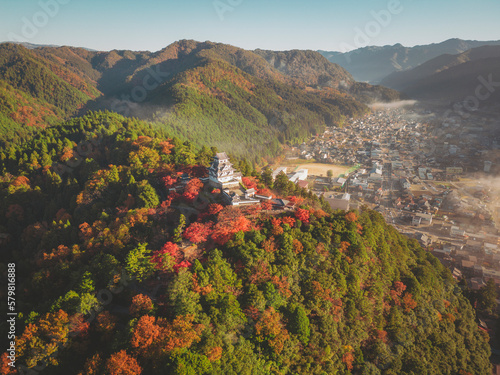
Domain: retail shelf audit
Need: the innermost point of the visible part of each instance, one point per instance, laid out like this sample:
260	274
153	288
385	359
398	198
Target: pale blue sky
268	24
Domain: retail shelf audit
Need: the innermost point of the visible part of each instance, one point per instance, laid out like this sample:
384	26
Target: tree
169	182
300	325
225	229
122	364
329	173
198	232
87	283
147	195
351	216
408	302
145	333
214	208
302	215
106	324
192	189
141	305
267	177
188	363
165	258
181	333
486	298
269	328
266	205
92	365
183	300
180	228
138	263
40	341
5	368
249	182
283	184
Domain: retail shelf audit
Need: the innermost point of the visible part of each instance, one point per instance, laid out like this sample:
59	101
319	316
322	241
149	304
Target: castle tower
221	173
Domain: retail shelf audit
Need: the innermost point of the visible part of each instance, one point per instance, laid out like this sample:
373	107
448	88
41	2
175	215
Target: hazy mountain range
453	77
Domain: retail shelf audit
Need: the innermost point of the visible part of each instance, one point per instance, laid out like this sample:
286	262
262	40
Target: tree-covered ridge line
210	92
122	274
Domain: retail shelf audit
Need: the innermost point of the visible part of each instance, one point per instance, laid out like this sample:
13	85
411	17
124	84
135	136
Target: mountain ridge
452	77
374	63
198	86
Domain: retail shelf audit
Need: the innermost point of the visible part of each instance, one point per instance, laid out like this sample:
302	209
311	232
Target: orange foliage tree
351	216
122	364
145	333
141	304
152	337
106	323
214	208
269	328
92	365
302	215
408	302
40	341
169	181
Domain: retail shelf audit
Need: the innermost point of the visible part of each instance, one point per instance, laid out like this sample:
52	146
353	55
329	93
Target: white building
300	175
221	173
339	202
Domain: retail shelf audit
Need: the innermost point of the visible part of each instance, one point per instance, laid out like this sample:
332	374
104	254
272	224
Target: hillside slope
123	274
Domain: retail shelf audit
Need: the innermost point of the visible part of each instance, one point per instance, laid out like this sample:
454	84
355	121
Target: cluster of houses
477	260
361	140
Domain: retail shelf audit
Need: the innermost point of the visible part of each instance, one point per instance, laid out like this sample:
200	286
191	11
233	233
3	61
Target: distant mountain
372	64
451	77
308	67
211	93
33	45
314	70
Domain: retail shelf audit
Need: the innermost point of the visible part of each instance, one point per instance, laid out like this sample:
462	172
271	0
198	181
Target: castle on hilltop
221	173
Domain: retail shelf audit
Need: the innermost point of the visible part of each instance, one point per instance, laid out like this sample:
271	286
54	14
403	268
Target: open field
319	169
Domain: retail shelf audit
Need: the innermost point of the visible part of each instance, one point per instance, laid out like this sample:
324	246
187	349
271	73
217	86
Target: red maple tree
214	208
192	189
302	215
198	232
250	182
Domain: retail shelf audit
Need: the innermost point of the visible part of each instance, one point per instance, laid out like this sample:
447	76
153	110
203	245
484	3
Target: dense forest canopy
120	274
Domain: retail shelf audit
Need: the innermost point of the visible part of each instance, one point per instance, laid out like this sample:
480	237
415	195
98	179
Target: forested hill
118	274
211	93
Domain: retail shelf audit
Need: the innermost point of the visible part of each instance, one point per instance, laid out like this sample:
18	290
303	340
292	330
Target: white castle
222	174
